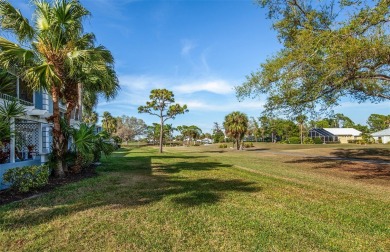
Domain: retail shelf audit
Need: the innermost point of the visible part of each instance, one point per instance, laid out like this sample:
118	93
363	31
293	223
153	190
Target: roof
385	132
322	132
343	131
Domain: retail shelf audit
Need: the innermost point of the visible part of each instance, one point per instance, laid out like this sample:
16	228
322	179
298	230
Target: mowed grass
209	199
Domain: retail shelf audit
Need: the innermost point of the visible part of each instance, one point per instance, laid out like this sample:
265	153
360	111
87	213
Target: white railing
11	98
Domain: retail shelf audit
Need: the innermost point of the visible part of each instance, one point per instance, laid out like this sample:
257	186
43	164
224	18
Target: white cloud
141	82
234	105
134	83
213	86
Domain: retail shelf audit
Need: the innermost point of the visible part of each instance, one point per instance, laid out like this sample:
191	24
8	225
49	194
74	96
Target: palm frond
41	76
12	54
7	83
84	138
12	20
10	109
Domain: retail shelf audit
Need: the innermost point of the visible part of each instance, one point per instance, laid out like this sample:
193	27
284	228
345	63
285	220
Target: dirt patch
8	195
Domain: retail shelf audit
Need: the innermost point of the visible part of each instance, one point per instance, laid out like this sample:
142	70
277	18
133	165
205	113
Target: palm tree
194	132
57	58
168	131
109	122
301	120
236	125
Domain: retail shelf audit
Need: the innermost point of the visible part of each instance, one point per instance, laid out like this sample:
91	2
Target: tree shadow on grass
377	154
357	169
257	149
129	182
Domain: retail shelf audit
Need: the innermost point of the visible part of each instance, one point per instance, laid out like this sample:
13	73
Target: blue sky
198	49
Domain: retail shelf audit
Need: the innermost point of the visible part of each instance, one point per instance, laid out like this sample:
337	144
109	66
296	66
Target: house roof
322	132
385	132
343	131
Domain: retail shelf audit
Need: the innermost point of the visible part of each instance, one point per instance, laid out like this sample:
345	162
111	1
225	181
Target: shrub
223	146
248	145
308	140
23	179
318	140
294	140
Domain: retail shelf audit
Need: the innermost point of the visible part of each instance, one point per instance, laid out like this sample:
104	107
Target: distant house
324	135
345	134
382	136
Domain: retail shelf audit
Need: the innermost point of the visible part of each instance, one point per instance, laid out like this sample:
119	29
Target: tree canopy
129	127
331	49
54	53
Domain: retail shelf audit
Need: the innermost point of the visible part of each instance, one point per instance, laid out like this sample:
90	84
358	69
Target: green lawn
210	199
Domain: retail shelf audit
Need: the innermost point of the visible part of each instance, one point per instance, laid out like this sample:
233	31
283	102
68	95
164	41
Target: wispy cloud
197	105
145	82
187	47
217	86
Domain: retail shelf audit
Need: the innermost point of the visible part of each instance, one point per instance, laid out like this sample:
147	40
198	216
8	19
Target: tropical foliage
109	122
8	110
236	125
55	54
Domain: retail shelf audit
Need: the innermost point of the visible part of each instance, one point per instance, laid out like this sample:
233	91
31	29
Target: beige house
345	134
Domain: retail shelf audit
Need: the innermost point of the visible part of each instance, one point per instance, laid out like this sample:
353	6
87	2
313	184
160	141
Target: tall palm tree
301	120
236	125
57	56
194	132
109	123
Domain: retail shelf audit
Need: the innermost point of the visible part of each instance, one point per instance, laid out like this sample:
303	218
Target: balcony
11	98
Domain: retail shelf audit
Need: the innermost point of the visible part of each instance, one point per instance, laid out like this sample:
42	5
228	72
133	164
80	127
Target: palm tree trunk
238	144
58	138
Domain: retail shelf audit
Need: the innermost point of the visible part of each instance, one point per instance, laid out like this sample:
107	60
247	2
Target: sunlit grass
204	198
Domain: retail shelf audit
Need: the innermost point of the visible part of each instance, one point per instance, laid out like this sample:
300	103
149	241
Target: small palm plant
8	110
88	146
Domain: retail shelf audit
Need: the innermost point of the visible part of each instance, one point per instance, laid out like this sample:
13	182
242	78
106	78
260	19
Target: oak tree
331	49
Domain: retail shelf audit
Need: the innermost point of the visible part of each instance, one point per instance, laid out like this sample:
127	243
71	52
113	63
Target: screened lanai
325	136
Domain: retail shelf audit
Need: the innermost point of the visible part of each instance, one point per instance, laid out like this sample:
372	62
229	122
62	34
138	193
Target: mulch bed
8	195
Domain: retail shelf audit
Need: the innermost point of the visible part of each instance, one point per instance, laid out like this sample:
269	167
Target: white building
345	134
383	135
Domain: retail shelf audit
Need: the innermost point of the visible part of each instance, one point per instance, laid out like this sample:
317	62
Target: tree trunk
161	135
238	144
301	133
58	138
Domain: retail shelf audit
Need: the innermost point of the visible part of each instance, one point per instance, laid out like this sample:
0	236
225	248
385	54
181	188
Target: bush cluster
249	145
361	142
318	140
223	146
23	179
294	140
308	140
